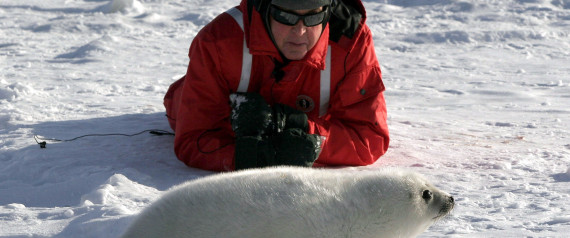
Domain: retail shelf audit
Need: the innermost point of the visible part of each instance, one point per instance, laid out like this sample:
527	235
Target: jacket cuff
318	126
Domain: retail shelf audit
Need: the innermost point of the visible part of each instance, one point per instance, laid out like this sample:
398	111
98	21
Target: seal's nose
451	199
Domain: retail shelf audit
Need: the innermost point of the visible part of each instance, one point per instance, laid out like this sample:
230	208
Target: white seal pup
296	202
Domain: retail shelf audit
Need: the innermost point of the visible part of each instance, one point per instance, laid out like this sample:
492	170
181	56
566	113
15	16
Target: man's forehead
302	11
301	4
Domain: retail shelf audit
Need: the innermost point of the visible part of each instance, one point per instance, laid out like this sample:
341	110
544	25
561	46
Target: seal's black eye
427	195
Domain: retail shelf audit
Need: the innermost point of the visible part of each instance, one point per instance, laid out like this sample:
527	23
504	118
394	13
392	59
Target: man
275	82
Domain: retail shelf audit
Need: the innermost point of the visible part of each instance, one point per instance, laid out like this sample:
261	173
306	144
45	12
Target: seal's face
438	203
431	204
410	202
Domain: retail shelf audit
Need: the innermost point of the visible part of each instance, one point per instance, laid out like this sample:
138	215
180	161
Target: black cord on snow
43	142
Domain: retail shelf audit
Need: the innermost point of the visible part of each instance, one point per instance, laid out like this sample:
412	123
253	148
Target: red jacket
198	105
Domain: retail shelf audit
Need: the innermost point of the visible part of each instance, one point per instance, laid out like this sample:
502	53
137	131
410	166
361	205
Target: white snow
478	94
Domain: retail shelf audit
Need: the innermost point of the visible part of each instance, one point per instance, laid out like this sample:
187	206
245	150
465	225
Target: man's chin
295	55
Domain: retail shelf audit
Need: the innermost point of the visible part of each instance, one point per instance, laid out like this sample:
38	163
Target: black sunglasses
291	18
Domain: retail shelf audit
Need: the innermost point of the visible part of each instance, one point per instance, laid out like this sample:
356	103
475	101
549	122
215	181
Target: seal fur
296	202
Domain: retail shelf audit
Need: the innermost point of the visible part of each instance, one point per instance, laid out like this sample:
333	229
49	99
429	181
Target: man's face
295	41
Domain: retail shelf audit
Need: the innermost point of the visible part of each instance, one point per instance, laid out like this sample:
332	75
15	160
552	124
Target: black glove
290	147
253	152
270	136
251	119
295	147
251	115
285	117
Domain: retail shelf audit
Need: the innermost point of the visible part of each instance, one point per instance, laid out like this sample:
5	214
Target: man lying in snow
269	79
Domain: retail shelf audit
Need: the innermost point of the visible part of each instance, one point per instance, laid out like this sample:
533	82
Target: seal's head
404	203
429	204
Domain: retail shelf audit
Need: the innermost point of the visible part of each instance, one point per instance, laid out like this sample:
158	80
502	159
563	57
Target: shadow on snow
59	175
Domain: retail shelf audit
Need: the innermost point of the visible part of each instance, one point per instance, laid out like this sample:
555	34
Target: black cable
214	150
44	143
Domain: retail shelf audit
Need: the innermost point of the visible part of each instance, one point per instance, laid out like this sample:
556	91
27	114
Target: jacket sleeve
355	128
204	138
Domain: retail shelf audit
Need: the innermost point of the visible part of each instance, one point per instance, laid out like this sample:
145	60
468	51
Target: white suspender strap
246	56
325	85
236	14
245	69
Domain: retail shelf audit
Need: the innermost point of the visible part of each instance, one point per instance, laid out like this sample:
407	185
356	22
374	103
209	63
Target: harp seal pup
296	202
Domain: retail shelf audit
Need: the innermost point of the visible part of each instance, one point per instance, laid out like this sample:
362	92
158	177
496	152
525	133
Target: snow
477	92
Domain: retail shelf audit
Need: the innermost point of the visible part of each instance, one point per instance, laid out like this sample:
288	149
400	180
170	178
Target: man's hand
285	117
251	115
270	136
251	119
289	147
295	147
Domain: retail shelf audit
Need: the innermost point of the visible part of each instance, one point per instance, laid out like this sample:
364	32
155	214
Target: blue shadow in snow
59	175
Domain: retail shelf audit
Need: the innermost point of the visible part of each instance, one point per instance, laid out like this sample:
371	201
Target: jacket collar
260	43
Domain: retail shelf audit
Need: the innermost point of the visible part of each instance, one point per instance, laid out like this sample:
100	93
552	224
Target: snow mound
15	206
125	6
13	91
122	193
563	177
114	202
93	48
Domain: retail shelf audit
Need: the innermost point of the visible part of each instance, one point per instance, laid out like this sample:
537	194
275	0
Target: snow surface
478	94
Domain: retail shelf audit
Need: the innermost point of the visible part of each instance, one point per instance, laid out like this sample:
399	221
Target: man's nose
300	28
